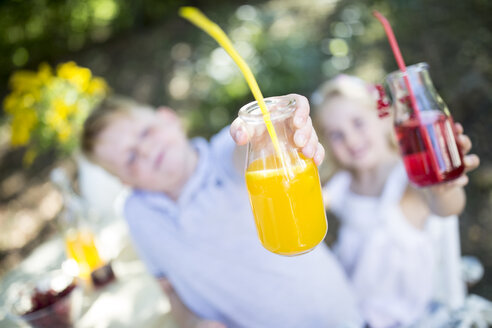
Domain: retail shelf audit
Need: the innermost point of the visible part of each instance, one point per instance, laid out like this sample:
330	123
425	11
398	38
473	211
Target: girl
389	229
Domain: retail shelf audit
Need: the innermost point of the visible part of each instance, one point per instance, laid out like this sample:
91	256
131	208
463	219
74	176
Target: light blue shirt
206	244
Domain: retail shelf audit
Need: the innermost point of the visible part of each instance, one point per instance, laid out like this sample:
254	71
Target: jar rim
278	107
412	69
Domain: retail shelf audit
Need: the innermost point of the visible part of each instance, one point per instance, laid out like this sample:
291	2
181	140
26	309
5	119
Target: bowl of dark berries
53	300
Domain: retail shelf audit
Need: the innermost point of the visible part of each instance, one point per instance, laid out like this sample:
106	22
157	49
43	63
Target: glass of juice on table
79	238
284	186
427	139
80	246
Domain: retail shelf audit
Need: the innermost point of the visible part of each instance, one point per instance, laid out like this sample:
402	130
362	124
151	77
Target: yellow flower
61	109
10	103
78	76
53	120
47	110
19	137
21	126
97	86
27	100
16	100
22	81
58	115
45	74
29	156
64	133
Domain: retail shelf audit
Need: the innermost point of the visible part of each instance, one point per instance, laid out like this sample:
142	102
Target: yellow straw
195	16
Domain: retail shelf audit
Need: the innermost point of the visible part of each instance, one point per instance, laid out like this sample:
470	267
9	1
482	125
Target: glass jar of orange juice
284	186
79	238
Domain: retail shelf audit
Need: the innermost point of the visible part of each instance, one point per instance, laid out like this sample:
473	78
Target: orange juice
80	246
289	212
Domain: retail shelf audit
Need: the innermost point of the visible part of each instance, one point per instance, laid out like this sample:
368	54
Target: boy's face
357	137
145	149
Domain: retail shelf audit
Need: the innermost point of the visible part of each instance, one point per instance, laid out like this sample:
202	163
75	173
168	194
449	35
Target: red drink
429	149
50	309
49	300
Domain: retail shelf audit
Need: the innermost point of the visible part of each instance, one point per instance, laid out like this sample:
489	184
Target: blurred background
144	50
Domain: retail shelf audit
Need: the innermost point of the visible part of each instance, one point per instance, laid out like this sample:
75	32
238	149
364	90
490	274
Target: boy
191	221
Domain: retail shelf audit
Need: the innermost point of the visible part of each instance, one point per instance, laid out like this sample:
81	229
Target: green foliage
45	30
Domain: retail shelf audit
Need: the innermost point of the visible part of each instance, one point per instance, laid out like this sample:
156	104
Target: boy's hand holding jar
281	175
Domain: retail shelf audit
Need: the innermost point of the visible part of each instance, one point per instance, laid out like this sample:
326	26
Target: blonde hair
345	86
101	117
348	87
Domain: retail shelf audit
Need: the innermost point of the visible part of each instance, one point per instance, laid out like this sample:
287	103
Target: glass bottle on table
284	187
427	139
79	239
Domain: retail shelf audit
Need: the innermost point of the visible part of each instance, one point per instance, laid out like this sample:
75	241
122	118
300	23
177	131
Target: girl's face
356	136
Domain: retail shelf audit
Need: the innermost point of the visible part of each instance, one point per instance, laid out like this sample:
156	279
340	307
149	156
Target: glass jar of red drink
424	128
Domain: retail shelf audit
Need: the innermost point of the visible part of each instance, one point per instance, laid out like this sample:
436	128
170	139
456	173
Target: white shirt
396	270
207	246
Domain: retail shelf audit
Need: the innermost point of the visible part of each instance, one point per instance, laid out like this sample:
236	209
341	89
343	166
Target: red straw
399	58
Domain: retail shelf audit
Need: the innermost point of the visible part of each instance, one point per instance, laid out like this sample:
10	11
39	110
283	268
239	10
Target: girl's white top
396	269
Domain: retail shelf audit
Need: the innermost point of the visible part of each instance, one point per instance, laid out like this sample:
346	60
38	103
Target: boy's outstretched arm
304	136
181	314
449	198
